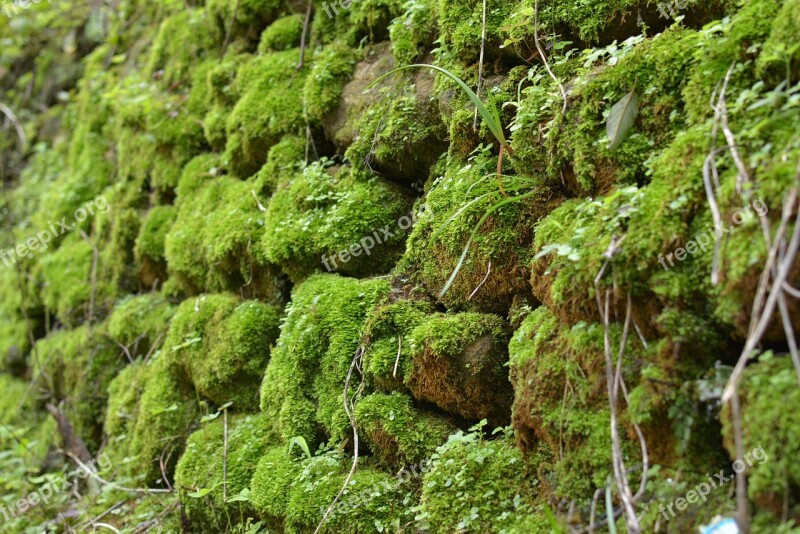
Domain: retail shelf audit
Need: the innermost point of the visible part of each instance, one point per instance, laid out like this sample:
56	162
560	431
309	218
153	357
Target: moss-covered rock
497	253
270	105
372	501
459	363
304	382
768	387
217	480
336	219
214	243
167	411
150	249
139	322
283	34
475	485
398	433
77	366
222	345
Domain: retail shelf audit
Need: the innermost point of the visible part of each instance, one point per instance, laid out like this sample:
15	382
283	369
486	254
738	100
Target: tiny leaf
620	120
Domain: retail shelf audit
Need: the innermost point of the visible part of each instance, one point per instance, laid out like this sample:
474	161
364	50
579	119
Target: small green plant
488	111
491	117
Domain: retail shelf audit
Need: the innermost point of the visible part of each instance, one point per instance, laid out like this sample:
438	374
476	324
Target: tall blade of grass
490	116
486	215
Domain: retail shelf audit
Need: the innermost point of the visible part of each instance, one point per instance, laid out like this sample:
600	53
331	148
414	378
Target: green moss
150	242
183	40
304	381
251	16
399	131
77	366
223	345
270	106
315	220
385	335
277	471
140	321
201	468
459	363
167	411
197	173
437	241
413	33
65	275
398	433
122	409
214	243
332	69
284	160
475	485
282	34
770	433
372	501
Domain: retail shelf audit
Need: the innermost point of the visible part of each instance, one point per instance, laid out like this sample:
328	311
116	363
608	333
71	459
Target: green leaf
489	115
199	494
620	120
159	411
300	441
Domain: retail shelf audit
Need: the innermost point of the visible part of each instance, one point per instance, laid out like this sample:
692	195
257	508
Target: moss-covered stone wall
282	295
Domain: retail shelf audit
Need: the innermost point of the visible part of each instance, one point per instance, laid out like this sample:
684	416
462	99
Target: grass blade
492	118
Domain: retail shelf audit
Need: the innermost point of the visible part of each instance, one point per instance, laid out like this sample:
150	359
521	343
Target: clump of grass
491	117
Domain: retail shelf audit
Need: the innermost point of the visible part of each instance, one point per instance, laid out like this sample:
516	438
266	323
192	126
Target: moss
475	485
284	160
413	33
770	433
303	384
283	34
275	473
331	70
122	409
214	243
458	362
400	133
183	40
270	106
201	468
328	216
372	501
458	198
66	277
250	16
197	173
138	322
149	249
386	333
398	433
77	366
223	345
167	411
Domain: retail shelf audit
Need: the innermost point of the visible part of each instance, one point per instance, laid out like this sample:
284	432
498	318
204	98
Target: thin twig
485	278
353	365
480	64
397	361
304	34
23	140
544	57
111	484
